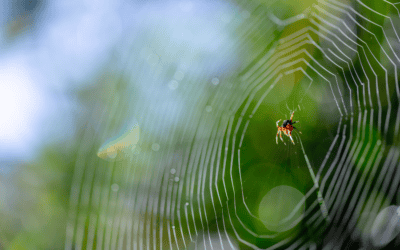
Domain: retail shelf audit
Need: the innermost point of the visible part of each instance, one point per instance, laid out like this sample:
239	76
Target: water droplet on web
114	187
172	85
187	204
179	75
176	179
378	142
215	81
173	227
208	108
155	147
173	171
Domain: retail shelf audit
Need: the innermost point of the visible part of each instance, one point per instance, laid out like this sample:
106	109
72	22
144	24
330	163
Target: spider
287	128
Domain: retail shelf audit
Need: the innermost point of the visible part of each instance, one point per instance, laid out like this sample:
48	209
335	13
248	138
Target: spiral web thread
197	204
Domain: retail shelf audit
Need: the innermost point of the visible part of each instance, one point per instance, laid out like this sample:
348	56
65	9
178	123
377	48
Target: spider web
206	158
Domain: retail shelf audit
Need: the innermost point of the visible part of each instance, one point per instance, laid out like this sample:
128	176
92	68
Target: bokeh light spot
386	226
281	207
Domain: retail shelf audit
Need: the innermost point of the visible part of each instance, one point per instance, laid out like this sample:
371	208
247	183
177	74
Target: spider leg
277	137
290	135
295	122
278	122
297	129
280	133
291	118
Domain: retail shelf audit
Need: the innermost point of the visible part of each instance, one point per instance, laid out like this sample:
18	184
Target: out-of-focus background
152	124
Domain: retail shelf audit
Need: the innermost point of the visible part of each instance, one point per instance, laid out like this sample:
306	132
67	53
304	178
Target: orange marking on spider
287	128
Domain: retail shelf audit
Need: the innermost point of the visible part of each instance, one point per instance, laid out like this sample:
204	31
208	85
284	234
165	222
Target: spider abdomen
285	123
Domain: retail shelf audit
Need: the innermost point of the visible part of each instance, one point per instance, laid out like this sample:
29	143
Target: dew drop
155	147
215	81
176	179
115	187
173	171
179	75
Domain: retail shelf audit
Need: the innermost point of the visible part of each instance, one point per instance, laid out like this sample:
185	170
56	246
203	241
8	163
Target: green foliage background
44	187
